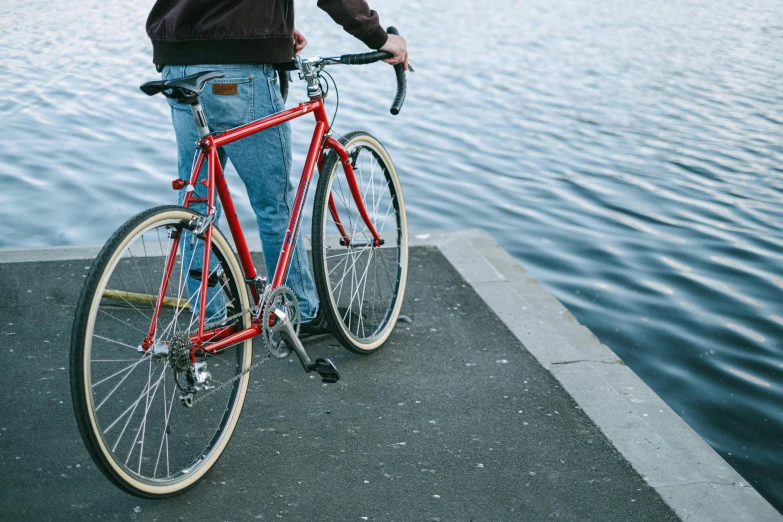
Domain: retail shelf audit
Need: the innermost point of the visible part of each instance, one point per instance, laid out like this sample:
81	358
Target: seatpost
200	119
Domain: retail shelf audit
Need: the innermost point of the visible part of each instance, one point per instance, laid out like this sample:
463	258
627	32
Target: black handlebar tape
364	58
399	70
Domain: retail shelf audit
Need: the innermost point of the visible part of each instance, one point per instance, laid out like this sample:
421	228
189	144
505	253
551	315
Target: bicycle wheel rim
363	283
121	458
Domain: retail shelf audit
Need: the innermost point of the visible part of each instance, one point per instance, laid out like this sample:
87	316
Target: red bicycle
159	373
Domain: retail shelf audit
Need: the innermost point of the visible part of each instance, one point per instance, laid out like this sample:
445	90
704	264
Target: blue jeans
263	162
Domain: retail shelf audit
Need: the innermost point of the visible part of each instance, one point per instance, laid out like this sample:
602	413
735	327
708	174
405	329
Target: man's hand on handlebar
394	52
396	45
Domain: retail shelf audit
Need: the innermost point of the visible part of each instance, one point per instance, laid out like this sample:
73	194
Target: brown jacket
190	32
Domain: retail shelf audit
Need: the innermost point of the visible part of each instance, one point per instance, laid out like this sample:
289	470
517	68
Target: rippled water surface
628	154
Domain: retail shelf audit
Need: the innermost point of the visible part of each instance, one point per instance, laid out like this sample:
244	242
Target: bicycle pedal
325	368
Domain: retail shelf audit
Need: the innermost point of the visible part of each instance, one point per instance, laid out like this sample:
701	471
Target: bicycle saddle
184	90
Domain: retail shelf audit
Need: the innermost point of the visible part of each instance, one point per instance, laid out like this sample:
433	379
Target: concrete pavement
455	419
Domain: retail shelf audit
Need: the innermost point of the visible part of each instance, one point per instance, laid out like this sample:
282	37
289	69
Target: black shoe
315	326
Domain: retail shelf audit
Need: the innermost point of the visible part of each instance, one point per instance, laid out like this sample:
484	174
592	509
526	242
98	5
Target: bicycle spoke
164	440
344	259
132	406
183	284
115	342
141	279
149	274
123	322
118	385
142	425
353	296
129	367
131	304
364	291
347	267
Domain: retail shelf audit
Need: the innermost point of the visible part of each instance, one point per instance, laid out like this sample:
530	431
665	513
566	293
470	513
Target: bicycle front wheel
360	284
148	426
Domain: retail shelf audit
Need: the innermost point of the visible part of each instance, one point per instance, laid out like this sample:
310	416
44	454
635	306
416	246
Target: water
629	155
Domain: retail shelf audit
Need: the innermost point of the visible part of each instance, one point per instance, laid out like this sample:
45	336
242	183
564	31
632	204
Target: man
243	38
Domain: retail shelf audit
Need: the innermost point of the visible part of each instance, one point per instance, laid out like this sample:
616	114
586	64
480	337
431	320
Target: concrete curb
57	253
70	253
688	474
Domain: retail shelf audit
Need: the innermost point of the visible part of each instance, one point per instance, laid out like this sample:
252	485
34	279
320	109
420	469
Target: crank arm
322	367
287	332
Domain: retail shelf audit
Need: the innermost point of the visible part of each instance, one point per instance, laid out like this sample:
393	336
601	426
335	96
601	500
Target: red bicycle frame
223	337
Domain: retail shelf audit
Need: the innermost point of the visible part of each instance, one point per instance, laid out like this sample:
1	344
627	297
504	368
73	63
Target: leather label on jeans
224	88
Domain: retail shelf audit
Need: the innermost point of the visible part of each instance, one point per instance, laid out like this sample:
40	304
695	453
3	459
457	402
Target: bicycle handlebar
377	56
361	59
364	58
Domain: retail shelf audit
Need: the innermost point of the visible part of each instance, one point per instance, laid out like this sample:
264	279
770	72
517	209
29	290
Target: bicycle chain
228	319
233	379
242	373
254	312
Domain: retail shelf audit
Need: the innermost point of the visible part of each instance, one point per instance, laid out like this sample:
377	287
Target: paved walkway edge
688	474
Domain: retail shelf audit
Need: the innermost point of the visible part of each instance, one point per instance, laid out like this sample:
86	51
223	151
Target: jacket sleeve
357	19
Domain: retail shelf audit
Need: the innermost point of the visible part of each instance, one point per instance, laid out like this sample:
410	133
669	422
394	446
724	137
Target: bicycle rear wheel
360	285
128	402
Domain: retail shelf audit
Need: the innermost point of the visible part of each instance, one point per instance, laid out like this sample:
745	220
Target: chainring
281	298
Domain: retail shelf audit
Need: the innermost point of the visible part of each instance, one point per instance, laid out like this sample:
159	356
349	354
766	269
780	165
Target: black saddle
184	90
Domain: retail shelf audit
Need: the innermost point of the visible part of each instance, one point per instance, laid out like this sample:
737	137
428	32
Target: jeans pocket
228	102
275	97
